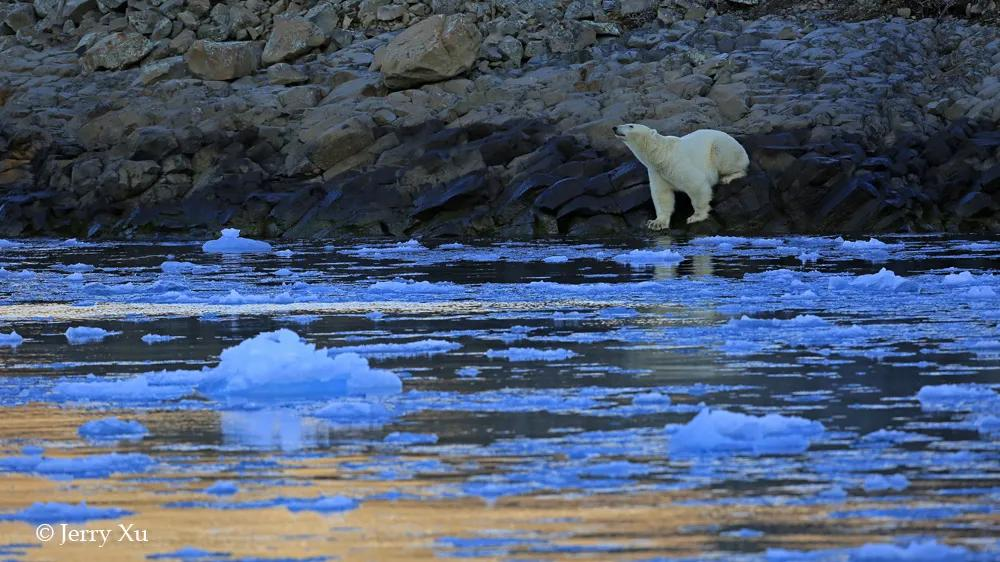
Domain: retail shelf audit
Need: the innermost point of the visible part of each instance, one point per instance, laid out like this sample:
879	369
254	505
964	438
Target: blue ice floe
87	334
884	280
230	242
720	432
222	488
530	354
92	466
54	512
22	275
879	482
111	429
398	438
958	397
177	267
919	550
409	349
318	504
272	367
645	258
13	339
158	338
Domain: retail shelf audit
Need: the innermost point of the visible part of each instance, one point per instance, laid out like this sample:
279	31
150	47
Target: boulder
435	49
341	141
215	60
731	99
291	38
20	15
116	51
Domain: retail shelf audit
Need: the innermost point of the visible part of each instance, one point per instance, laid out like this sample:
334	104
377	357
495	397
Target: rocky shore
328	118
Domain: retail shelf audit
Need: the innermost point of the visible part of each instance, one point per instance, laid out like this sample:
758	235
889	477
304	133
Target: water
548	417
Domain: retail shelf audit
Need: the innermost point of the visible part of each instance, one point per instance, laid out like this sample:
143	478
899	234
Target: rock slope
122	118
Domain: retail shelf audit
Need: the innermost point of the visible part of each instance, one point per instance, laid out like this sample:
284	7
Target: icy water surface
705	399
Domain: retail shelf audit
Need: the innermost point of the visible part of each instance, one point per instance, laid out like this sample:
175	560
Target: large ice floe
230	242
272	367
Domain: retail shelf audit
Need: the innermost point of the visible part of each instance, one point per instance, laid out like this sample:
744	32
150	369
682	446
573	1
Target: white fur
693	164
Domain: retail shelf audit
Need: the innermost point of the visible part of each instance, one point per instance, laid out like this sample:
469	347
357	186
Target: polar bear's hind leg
731	177
701	200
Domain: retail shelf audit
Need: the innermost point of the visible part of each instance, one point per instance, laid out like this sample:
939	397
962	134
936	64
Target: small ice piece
231	243
353	411
743	533
87	334
408	349
157	338
530	354
222	488
884	280
13	339
375	316
651	399
75	277
450	246
7	244
893	436
300	319
54	512
640	258
284	253
399	438
189	553
112	429
960	278
79	268
988	424
957	397
93	466
981	293
284	272
22	275
872	244
806	257
178	267
467	372
556	259
879	482
724	432
407	287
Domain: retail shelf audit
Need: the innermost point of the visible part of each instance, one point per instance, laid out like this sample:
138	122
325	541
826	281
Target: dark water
547	407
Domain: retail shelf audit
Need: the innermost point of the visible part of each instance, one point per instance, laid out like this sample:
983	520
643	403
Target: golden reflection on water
639	525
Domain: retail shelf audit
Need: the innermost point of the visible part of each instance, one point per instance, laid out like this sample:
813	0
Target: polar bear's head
642	140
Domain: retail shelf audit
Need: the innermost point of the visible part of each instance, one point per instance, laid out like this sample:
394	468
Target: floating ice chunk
8	244
723	432
112	428
556	259
720	241
806	257
157	338
884	280
878	482
391	251
73	243
467	372
651	399
530	354
957	397
136	389
13	339
189	553
222	488
981	293
615	469
78	268
398	438
74	277
231	243
284	272
451	246
988	424
893	436
961	278
409	349
872	244
87	334
375	316
639	258
919	550
743	533
284	253
93	466
408	287
17	275
301	319
800	321
280	365
186	267
45	512
354	412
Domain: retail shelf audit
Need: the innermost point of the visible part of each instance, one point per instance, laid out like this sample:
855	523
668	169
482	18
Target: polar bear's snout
618	132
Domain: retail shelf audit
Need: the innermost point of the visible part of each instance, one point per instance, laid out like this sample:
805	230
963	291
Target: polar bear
693	164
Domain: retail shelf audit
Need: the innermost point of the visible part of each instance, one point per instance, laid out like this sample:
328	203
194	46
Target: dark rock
151	143
989	181
974	203
454	195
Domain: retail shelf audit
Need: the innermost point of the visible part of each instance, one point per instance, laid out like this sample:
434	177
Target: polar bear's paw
658	224
697	217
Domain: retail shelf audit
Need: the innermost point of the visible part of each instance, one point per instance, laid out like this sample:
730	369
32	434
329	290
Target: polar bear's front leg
663	201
